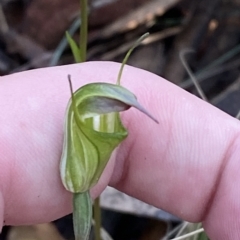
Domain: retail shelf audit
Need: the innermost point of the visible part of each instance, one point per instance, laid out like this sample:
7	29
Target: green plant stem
83	29
82	215
97	219
139	41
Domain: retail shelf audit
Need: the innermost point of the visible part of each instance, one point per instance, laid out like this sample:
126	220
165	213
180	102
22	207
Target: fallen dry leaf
46	231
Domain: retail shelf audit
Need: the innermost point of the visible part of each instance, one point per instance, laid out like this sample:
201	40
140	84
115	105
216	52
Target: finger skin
188	164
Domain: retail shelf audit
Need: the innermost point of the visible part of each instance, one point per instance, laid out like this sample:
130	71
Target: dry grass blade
181	230
203	75
238	115
138	17
177	229
151	39
45	231
195	82
189	234
3	22
104	233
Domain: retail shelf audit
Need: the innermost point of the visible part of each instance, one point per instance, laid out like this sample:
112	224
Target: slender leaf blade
74	47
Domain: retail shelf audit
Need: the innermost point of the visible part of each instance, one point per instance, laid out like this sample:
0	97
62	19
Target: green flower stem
83	29
97	218
144	36
82	215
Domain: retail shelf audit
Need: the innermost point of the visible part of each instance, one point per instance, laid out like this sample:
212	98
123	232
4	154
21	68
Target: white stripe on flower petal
96	122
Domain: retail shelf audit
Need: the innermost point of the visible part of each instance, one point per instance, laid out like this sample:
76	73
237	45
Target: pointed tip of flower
150	116
143	110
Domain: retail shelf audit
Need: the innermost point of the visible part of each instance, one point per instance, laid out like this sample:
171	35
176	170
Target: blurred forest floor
32	35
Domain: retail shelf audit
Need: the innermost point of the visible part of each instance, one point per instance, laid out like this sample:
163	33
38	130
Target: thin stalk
176	229
185	224
189	234
97	219
215	67
196	237
194	80
83	30
238	115
4	25
128	54
82	215
64	43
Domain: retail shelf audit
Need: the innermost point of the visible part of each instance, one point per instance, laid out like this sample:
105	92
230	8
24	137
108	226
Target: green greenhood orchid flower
93	129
